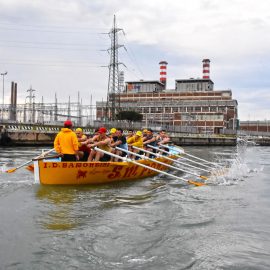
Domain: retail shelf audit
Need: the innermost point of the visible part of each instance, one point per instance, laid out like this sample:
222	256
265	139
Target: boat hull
87	173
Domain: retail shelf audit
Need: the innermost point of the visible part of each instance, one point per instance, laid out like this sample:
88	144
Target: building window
168	109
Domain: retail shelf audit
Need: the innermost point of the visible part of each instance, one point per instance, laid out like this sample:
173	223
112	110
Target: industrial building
193	103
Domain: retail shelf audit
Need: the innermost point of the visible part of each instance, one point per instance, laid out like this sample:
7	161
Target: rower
130	134
120	142
113	135
161	139
103	142
83	149
144	134
136	141
150	139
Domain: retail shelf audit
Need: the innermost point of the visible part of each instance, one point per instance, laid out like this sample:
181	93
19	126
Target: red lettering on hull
132	171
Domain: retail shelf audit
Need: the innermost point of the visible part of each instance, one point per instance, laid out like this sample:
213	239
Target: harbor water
154	223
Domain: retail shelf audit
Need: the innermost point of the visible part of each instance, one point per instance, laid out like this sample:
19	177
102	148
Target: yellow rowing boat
55	172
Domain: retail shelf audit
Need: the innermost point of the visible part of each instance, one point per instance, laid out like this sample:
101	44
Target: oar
201	159
29	161
148	167
181	152
215	170
176	161
49	157
162	163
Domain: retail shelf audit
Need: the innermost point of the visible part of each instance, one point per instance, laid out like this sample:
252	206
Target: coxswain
66	143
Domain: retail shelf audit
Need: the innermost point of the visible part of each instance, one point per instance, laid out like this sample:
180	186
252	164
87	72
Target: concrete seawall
199	140
31	138
28	136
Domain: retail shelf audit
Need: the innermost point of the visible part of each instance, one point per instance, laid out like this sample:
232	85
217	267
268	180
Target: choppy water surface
155	223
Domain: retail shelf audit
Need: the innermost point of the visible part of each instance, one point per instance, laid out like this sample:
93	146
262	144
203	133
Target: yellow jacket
66	142
135	141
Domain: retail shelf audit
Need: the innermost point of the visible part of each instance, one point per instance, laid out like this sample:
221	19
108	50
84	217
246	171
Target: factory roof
194	80
142	81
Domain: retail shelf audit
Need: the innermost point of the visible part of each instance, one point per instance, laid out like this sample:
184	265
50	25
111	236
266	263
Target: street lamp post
3	100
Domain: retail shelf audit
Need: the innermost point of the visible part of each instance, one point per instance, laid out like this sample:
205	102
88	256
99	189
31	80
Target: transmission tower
114	90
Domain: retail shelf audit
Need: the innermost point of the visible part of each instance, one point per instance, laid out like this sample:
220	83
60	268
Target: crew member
120	142
162	139
113	135
144	134
150	139
66	143
136	141
130	134
83	149
103	142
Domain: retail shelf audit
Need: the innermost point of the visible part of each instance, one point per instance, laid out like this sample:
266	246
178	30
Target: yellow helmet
139	133
79	130
113	130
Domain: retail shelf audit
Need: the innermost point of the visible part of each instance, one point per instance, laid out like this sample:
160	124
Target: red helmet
102	130
68	123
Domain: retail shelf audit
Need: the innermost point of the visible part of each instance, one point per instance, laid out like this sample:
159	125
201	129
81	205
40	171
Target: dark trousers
68	157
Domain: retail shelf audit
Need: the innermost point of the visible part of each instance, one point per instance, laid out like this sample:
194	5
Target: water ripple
155	223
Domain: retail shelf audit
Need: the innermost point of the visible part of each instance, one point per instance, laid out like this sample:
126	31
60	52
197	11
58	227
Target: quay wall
45	136
200	140
28	134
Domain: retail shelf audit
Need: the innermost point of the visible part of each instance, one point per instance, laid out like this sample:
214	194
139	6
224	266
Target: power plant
193	103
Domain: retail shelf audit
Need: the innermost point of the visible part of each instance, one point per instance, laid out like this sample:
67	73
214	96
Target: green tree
130	116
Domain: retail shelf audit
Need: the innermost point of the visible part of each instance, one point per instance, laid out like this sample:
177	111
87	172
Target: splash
234	168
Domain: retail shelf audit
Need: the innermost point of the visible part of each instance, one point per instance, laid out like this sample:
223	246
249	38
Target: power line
132	56
64	64
47	48
54	26
35	28
47	43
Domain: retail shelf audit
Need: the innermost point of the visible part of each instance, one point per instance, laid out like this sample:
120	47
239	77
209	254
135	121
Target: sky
62	47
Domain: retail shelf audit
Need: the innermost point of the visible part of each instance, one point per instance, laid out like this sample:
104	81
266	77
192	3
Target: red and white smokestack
163	72
206	69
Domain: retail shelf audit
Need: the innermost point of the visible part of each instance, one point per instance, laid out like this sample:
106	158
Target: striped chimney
163	72
206	69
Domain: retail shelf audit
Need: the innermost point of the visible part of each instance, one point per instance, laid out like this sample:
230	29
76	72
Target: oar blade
203	177
30	168
11	170
198	184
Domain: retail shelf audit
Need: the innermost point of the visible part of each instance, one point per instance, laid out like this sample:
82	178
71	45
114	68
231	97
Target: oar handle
50	157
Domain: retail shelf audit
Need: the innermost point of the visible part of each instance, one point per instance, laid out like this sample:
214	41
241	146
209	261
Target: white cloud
233	34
